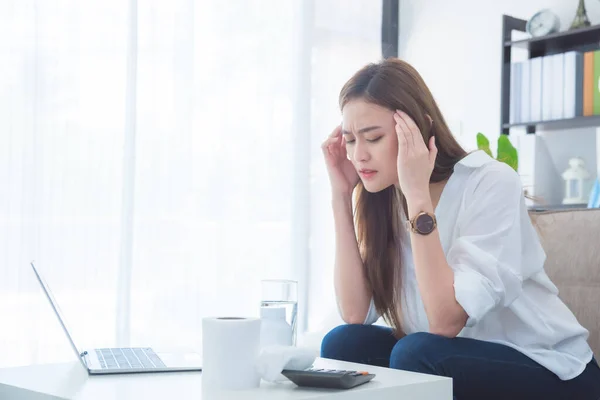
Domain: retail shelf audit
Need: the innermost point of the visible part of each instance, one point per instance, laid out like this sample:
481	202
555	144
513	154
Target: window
157	161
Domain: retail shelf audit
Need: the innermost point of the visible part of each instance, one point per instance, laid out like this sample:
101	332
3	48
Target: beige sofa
571	239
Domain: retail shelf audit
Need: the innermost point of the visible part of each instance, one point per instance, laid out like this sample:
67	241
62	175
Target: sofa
571	239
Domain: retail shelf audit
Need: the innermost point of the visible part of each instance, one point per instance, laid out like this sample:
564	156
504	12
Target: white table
71	381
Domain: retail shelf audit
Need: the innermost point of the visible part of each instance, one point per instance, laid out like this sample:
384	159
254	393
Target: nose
361	152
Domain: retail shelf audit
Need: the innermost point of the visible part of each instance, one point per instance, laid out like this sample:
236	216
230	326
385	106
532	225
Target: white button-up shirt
498	263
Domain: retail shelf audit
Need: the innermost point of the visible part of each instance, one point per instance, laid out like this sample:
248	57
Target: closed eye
348	141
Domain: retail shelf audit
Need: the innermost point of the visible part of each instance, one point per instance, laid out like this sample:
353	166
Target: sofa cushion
571	239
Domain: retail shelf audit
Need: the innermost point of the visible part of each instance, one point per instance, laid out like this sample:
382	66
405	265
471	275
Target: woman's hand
342	174
415	159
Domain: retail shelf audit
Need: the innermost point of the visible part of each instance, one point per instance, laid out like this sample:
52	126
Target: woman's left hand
415	159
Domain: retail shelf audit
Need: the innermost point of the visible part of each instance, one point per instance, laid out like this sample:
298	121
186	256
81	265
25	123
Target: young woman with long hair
438	242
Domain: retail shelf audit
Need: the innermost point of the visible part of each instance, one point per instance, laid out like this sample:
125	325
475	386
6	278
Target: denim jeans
479	369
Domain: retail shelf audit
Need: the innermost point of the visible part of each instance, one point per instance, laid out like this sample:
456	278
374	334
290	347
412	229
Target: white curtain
159	158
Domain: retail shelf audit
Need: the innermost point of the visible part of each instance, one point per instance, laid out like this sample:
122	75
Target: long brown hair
396	85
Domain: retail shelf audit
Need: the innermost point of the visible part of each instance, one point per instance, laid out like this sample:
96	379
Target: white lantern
575	177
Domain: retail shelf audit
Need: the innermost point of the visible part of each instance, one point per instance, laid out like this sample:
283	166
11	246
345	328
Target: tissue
230	348
273	359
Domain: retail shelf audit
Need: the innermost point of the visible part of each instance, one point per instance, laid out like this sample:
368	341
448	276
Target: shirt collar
475	159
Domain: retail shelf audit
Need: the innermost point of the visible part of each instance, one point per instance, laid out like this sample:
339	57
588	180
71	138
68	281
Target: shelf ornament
581	19
575	178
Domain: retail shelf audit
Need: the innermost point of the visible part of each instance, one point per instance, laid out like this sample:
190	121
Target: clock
544	22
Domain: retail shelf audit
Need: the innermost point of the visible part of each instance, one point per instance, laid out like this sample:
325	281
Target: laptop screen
56	309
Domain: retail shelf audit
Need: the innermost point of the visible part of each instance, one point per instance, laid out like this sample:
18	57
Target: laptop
123	360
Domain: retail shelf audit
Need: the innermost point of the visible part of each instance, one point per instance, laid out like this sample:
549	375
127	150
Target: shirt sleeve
487	254
372	315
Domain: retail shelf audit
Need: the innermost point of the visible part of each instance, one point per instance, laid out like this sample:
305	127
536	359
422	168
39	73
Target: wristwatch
423	223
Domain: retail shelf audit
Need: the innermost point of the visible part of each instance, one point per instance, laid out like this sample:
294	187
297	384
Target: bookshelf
584	39
564	123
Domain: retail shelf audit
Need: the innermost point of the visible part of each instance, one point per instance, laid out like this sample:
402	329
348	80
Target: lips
367	173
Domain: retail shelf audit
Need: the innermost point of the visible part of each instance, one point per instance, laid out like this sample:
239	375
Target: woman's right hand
342	174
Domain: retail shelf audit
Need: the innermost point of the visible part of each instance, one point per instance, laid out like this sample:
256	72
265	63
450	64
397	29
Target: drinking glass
281	293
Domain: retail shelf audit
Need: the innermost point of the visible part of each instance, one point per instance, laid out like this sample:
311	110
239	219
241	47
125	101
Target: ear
432	150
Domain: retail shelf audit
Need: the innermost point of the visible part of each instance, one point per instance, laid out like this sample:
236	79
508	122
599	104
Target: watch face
424	223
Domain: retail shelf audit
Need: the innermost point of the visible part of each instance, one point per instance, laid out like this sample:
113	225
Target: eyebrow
363	130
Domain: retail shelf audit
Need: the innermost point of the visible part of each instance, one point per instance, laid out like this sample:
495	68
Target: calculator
327	378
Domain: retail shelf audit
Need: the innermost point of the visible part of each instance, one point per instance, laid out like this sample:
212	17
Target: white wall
457	46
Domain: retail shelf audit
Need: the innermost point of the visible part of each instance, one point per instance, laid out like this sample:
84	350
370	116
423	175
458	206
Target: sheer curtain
159	158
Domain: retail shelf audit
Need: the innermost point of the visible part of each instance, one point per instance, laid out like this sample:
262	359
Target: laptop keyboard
125	358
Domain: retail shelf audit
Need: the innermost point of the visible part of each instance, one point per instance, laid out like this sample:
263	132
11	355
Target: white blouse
499	278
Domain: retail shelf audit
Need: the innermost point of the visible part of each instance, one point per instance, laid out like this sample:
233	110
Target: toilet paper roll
230	348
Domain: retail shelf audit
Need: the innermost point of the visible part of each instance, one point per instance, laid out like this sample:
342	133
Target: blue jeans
479	369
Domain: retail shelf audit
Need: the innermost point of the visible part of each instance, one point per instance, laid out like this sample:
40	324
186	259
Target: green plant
507	153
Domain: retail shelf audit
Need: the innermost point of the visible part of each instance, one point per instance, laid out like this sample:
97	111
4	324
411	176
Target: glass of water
282	294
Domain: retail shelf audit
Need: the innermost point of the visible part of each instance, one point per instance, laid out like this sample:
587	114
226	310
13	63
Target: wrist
417	204
343	200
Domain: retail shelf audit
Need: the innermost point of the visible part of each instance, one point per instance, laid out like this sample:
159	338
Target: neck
435	190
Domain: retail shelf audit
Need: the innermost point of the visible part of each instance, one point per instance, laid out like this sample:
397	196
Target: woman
439	243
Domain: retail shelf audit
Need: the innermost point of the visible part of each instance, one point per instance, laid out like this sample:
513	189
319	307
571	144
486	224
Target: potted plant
507	153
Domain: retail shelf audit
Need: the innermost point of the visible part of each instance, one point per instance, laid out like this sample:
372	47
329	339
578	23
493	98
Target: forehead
358	113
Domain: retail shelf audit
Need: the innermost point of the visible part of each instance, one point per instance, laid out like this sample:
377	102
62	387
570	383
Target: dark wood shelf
566	123
578	39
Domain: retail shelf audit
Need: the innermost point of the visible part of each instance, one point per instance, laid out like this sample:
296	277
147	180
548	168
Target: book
573	84
588	83
557	99
548	86
515	93
525	80
595	90
535	78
